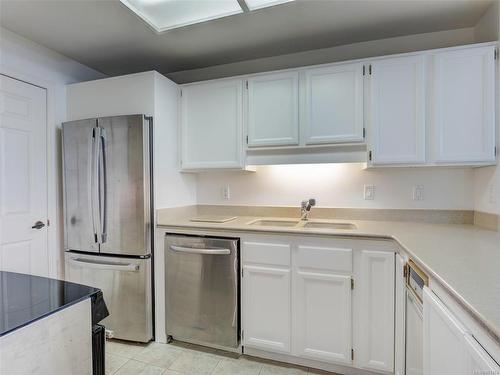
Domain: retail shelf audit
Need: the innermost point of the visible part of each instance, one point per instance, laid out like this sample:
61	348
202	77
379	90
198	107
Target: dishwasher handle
196	250
105	265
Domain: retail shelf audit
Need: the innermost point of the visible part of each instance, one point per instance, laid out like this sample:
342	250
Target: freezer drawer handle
195	250
107	265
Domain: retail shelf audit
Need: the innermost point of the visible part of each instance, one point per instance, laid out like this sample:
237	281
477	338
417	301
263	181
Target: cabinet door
464	105
478	360
376	312
400	302
444	350
266	308
323	316
211	125
273	112
334	104
397	110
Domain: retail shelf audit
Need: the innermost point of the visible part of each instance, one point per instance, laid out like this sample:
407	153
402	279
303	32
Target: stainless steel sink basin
329	225
274	222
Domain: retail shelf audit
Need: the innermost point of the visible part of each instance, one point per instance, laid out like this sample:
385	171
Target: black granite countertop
26	298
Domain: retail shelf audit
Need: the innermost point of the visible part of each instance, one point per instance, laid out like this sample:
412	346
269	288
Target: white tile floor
124	358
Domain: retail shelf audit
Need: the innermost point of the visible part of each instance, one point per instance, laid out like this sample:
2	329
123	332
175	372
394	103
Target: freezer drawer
202	283
126	287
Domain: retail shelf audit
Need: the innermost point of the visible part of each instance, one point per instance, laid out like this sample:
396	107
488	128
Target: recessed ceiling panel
257	4
164	15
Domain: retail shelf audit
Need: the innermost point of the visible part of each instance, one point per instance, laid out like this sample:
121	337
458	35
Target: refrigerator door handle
102	184
118	266
93	170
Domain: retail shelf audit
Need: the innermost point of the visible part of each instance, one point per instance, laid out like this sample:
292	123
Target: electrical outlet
226	193
493	195
418	192
369	192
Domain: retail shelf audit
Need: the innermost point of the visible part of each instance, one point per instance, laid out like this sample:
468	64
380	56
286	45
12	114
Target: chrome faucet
305	208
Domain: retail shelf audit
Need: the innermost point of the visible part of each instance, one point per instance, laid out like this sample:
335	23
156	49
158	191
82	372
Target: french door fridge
108	217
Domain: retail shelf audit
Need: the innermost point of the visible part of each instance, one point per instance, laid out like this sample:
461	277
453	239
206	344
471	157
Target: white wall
487	180
152	94
340	185
400	44
31	62
173	189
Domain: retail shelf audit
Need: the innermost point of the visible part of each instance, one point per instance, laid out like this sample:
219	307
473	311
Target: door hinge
370	69
495	150
352	283
364	70
181	93
247	139
364	132
246	84
352	354
369	155
242	272
495	54
242	334
48	222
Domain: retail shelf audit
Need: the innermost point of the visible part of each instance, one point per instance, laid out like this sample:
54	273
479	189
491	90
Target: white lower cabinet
266	311
376	311
298	299
478	361
448	347
322	303
267	308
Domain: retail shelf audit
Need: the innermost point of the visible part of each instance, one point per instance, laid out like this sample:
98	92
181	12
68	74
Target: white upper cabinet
273	110
333	104
463	105
422	108
212	125
397	110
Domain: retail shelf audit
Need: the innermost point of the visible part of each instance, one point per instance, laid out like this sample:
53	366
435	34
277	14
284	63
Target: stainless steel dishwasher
202	290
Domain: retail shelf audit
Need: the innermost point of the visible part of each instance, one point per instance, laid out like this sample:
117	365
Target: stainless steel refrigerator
108	217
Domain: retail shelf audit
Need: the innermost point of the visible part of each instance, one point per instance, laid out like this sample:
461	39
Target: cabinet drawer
325	258
266	253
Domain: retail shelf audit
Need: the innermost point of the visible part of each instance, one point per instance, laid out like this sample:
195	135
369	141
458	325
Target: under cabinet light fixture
163	15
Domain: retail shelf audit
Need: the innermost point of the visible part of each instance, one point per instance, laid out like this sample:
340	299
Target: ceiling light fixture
258	4
163	15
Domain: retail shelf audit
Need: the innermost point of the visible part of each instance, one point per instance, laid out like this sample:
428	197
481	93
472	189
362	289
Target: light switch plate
493	195
418	192
226	193
369	194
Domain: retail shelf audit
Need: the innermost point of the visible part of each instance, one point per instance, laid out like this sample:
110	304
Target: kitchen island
47	326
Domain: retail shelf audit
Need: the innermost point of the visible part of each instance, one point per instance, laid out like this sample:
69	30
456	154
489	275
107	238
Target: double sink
297	223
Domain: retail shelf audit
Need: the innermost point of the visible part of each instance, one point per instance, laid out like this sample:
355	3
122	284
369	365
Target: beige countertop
464	258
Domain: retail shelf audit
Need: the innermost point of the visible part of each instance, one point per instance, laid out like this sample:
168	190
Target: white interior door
23	178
